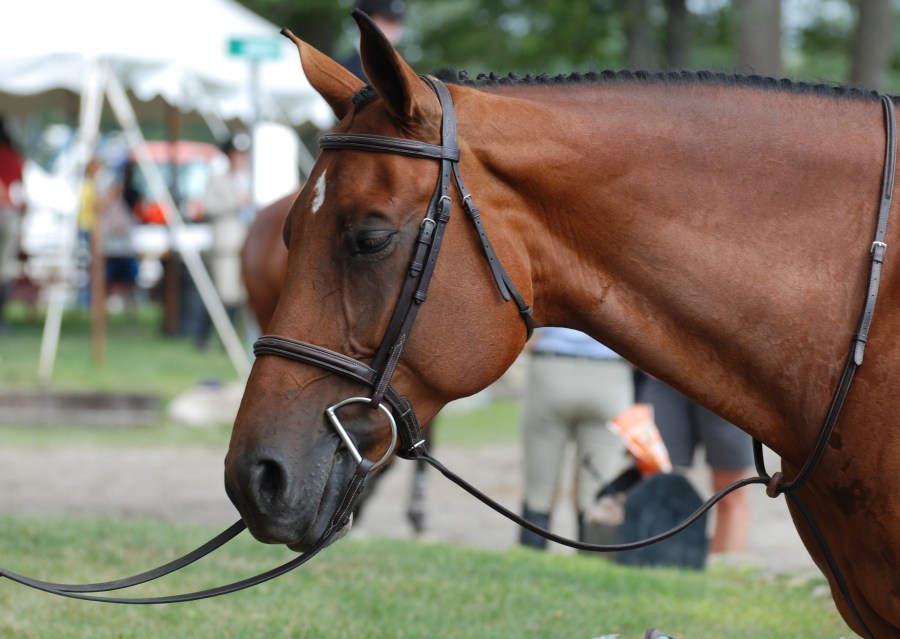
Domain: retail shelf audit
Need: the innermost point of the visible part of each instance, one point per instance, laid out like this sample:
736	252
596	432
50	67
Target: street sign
255	47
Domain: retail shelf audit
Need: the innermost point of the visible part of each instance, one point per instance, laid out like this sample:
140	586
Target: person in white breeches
575	386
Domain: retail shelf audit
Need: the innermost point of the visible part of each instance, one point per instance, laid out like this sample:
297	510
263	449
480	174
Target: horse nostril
268	482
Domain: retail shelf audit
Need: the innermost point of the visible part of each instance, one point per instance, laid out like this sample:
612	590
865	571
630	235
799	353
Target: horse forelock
364	96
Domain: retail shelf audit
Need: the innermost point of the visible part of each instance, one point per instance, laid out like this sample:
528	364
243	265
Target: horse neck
712	236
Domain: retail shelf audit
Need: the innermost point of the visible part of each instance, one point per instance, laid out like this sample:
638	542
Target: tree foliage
518	35
318	22
559	36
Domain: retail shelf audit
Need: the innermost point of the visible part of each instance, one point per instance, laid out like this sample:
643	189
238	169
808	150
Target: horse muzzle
291	495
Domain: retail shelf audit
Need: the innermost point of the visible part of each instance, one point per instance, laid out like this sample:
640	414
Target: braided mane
494	79
678	78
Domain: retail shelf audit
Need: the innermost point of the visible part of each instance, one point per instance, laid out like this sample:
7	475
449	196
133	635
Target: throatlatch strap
414	291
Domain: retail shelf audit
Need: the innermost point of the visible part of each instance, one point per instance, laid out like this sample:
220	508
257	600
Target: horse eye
371	242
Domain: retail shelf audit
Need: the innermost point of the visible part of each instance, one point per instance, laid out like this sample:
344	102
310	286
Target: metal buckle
331	411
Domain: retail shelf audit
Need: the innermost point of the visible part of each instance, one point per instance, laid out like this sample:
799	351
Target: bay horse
264	259
713	230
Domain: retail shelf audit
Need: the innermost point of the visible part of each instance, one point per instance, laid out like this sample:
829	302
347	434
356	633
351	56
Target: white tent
174	50
59	53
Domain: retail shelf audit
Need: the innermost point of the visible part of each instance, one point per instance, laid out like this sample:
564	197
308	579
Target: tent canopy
171	50
129	54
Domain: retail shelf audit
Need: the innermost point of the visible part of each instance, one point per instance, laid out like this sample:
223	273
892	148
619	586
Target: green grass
391	589
358	588
140	359
496	422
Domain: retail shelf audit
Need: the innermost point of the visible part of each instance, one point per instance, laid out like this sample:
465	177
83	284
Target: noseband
415	286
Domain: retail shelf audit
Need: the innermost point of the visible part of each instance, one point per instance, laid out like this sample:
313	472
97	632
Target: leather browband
384	144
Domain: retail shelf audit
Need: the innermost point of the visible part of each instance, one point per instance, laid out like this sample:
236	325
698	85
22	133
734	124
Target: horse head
351	234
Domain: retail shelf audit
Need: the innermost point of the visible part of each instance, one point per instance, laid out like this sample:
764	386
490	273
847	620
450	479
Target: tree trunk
678	34
759	36
873	44
640	48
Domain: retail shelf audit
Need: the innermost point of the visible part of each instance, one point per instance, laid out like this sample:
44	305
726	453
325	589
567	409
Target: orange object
153	213
637	429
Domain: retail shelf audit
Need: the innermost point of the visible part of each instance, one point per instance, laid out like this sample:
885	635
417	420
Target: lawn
372	588
358	588
140	359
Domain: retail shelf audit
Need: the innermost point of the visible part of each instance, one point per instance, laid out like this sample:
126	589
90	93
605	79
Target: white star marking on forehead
318	194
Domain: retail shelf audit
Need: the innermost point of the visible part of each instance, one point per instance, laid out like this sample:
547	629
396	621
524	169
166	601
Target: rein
83	591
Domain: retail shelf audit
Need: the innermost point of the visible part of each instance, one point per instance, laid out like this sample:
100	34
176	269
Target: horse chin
332	494
339	533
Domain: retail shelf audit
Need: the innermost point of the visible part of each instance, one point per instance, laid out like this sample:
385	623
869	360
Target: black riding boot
530	539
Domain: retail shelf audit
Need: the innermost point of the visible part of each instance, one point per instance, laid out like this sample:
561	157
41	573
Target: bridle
414	291
406	439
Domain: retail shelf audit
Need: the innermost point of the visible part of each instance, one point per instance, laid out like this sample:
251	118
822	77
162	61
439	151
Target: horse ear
392	77
334	83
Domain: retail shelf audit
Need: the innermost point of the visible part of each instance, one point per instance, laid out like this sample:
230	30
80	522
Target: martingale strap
776	484
878	248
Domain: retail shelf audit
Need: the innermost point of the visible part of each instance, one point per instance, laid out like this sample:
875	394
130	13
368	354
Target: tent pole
98	294
125	114
90	108
213	121
254	128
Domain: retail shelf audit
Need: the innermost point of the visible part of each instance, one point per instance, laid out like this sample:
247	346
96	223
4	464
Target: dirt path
185	486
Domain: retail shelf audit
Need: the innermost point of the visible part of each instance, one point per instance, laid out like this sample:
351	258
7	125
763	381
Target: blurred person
12	208
131	194
89	203
89	198
223	203
575	386
118	218
389	16
684	425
